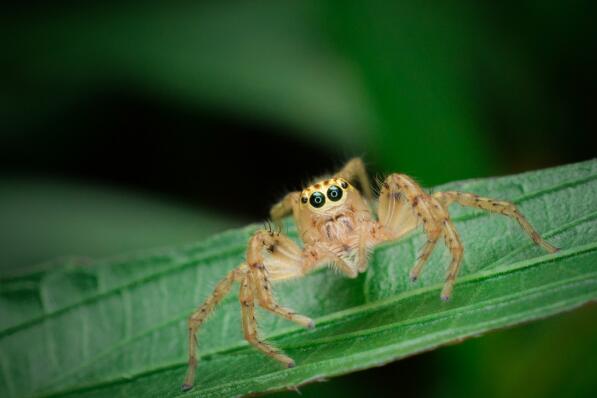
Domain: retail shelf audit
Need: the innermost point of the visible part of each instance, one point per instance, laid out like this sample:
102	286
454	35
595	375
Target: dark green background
127	125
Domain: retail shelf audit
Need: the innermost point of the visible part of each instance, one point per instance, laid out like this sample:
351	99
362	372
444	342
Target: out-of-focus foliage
261	60
40	220
416	87
545	359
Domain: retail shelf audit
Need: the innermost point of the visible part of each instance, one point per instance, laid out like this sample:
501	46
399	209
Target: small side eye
304	199
317	199
344	184
334	193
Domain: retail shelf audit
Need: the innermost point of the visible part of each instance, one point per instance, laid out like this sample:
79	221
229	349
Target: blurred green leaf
42	219
550	358
262	61
394	79
117	327
418	64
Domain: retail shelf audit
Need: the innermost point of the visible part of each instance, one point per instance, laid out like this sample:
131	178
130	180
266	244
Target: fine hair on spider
272	229
339	225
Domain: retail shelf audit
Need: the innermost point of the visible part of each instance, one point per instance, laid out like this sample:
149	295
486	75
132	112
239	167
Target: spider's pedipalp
363	249
332	254
265	298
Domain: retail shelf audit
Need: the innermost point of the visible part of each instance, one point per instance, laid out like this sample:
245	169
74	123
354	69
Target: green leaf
117	327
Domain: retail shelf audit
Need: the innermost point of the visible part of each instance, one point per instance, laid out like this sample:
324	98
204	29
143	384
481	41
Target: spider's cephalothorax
336	227
332	214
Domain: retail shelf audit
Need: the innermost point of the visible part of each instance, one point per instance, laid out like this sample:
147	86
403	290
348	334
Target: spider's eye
304	199
344	184
317	199
334	193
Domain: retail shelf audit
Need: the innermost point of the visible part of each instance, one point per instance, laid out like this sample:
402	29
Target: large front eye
317	199
334	193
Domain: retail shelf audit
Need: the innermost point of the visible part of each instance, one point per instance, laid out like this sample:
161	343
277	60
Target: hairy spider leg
401	198
403	205
494	206
353	170
200	315
270	257
454	245
249	322
284	208
283	259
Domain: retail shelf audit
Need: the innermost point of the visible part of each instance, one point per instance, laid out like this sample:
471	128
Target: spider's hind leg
200	315
494	206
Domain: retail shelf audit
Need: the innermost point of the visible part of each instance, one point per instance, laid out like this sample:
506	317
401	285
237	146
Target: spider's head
325	195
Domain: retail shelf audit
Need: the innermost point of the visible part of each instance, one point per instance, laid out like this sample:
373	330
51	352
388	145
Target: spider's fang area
445	299
291	365
311	325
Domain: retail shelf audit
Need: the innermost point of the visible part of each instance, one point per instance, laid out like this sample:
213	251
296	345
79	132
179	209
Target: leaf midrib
343	314
445	314
367	353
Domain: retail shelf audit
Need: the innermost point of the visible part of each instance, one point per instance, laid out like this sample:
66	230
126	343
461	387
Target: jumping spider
337	227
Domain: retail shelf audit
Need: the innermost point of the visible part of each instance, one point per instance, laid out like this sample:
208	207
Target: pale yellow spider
337	227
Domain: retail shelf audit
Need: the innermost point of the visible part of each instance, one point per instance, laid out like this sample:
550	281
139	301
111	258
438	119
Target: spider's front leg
273	256
403	205
270	257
